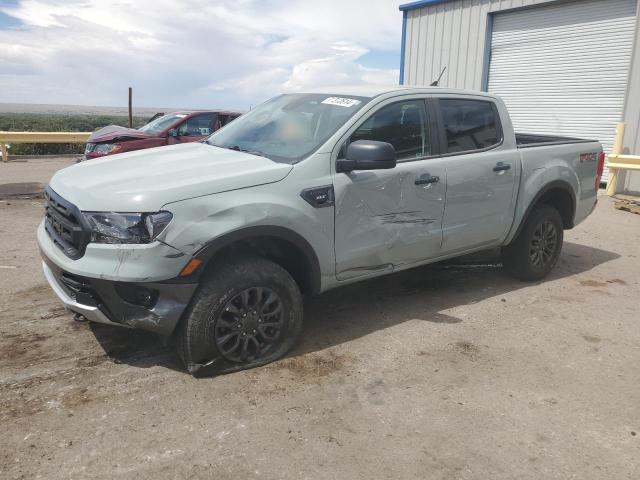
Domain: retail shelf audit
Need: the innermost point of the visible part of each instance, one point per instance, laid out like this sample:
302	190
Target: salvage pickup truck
214	243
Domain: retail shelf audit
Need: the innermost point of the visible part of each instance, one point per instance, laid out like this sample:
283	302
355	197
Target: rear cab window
470	125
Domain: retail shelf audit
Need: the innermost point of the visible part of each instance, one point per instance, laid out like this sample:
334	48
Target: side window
224	119
469	124
404	125
198	125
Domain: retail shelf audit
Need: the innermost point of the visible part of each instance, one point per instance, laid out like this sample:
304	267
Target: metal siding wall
451	34
462	52
563	69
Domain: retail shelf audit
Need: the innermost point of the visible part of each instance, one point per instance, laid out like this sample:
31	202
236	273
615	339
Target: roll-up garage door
563	68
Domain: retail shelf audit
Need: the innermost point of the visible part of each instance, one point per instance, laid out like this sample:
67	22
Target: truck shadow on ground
356	310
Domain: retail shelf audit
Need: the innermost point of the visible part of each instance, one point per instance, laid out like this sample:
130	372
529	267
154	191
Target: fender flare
556	184
210	249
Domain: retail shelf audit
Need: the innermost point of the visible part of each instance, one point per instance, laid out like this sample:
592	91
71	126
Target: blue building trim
420	4
403	45
487	53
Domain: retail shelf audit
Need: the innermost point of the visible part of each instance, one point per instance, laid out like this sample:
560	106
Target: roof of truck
376	90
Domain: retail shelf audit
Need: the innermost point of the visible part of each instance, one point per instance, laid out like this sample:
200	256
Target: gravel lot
447	372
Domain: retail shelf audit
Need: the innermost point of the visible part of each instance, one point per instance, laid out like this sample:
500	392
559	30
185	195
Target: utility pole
130	112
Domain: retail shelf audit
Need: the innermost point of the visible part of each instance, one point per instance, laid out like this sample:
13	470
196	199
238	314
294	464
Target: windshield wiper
244	150
237	148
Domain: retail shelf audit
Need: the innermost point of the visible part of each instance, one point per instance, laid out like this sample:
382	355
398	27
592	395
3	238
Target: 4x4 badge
319	197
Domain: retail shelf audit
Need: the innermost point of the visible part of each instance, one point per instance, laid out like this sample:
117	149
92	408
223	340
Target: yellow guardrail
39	137
617	161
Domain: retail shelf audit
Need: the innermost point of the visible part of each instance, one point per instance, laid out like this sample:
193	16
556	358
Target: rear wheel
247	313
535	251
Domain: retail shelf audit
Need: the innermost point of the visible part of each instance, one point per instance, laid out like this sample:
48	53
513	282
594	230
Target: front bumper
131	285
103	301
89	312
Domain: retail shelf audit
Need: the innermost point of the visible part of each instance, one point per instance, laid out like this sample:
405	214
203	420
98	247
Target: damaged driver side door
386	219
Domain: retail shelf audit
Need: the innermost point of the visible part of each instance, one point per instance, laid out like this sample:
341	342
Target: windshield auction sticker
341	102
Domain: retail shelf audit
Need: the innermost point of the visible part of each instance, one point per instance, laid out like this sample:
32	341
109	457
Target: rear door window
470	124
404	125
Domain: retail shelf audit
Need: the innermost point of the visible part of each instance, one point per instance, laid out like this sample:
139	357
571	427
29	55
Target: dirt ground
446	372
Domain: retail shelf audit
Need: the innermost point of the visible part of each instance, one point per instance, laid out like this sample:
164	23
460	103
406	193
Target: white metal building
565	67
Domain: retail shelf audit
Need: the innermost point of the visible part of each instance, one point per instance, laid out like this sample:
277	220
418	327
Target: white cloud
194	53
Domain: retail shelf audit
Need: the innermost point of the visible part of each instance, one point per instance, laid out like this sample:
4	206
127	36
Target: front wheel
535	251
247	313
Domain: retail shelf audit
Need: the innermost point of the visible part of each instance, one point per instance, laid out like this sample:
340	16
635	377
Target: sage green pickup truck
214	243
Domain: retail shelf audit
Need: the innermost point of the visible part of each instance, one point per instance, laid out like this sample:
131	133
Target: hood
145	180
111	132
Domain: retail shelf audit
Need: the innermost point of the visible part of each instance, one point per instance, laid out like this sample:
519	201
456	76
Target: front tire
246	313
534	253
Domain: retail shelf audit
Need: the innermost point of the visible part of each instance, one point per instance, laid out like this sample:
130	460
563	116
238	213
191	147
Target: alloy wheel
544	244
250	326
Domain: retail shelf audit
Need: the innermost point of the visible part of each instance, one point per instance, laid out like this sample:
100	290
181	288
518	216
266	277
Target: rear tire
534	253
246	313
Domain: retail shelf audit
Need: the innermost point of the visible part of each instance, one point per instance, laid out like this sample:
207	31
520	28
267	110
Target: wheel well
561	200
283	252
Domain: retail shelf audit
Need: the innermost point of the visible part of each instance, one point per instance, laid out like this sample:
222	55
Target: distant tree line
57	122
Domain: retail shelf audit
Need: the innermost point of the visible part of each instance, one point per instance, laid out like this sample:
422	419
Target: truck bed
527	140
561	159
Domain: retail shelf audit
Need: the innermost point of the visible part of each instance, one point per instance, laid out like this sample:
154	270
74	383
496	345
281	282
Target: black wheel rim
250	326
544	244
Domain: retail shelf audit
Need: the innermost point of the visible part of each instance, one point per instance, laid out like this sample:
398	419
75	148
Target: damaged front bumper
153	306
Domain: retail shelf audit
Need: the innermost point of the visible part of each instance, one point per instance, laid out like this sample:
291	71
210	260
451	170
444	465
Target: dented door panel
384	219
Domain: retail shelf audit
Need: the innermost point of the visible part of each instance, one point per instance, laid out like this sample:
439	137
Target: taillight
600	169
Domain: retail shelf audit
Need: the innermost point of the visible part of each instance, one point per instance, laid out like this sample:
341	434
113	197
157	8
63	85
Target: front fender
200	222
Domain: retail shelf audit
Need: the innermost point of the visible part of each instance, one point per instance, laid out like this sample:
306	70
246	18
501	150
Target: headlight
112	227
106	148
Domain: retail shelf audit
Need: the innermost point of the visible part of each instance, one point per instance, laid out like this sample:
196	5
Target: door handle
501	167
426	179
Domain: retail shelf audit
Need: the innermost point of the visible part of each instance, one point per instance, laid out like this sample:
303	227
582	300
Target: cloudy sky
192	53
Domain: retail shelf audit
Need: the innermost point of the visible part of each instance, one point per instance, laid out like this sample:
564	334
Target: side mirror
173	133
367	155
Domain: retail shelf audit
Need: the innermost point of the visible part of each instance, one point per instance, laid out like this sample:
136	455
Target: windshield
288	128
161	123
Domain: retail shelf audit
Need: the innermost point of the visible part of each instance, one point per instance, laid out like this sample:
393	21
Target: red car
177	127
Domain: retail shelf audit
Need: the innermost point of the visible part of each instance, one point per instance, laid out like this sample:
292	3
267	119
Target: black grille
63	223
80	290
